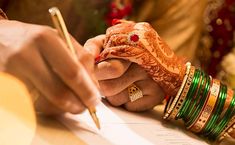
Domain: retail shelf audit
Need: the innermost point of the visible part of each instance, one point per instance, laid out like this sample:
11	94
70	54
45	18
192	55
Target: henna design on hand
140	43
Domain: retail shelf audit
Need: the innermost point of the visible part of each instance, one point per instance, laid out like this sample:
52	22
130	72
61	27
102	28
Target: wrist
175	77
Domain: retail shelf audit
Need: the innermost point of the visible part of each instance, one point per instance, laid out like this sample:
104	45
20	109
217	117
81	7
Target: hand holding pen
63	32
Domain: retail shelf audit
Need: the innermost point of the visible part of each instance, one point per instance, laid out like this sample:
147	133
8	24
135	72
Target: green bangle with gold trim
197	98
217	110
189	95
222	123
203	98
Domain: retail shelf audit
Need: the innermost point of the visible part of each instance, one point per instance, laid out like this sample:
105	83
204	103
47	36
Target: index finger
95	45
71	71
107	69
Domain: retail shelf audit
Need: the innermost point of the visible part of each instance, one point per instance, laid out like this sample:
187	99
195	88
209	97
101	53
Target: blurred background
200	30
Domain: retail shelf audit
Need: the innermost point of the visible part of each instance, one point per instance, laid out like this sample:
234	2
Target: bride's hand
140	43
116	75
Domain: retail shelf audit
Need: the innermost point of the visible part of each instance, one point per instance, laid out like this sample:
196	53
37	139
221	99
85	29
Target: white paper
119	127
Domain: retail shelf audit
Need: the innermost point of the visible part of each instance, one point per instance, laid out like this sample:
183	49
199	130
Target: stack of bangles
206	106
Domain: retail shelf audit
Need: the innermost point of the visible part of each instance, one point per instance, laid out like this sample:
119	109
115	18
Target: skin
40	58
148	51
115	75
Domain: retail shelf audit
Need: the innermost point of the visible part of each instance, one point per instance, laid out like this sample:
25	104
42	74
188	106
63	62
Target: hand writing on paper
40	58
115	75
140	43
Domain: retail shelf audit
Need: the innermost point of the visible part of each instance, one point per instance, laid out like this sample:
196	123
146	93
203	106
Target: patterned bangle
231	124
183	94
217	110
208	108
182	112
224	121
196	99
228	129
228	101
203	97
170	106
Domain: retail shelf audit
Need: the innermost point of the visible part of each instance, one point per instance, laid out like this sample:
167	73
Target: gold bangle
228	129
183	94
208	108
172	105
227	101
231	125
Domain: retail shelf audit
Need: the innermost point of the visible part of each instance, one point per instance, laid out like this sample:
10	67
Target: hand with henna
140	43
116	75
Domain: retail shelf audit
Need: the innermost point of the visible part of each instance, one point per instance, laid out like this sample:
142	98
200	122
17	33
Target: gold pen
63	32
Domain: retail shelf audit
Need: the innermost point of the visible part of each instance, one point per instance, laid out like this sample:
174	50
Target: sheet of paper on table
119	127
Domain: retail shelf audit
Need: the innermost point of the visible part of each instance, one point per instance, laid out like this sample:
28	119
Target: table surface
50	131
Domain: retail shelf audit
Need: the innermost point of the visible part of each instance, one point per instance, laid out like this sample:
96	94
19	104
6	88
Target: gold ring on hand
134	93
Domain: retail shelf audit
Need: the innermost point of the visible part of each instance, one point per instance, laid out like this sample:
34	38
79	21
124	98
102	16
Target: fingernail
97	59
116	21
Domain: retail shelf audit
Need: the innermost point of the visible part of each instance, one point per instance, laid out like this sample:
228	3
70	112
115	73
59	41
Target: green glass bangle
179	115
197	98
203	98
222	123
202	102
217	110
190	93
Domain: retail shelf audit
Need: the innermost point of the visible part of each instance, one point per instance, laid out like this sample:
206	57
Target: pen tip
92	112
96	120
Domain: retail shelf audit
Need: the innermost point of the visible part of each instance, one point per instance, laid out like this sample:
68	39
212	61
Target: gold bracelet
172	105
208	108
230	126
228	129
227	101
183	94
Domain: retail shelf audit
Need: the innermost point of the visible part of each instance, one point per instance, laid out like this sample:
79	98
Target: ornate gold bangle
228	129
231	125
183	94
208	108
172	105
227	101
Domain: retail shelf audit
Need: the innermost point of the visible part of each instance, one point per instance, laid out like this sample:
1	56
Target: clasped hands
40	58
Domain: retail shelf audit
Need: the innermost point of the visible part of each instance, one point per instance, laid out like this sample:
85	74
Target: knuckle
93	40
106	88
113	70
89	41
42	32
